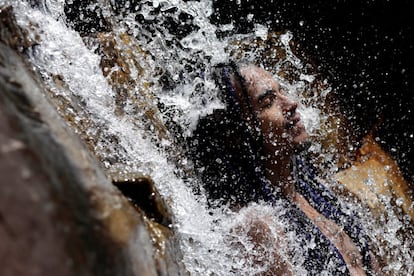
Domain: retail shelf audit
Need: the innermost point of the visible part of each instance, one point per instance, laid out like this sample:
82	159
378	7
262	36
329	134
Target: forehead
258	80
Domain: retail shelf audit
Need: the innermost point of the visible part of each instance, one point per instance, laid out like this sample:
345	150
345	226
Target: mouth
293	121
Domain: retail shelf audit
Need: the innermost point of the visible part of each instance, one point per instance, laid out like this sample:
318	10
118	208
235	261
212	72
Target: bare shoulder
262	240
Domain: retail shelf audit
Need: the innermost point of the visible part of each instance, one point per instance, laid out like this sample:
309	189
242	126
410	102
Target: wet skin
279	122
273	116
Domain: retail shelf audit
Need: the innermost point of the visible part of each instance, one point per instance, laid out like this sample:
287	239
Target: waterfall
134	87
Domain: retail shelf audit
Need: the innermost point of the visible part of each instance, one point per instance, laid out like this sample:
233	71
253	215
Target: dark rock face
29	236
59	213
51	205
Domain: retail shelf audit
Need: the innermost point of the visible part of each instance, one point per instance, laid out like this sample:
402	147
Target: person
252	151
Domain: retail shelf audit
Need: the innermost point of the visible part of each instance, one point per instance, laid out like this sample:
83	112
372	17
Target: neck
279	173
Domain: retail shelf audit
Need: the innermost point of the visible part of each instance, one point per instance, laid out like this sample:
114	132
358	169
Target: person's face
279	123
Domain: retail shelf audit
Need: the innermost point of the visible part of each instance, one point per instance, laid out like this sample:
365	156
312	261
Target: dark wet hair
225	150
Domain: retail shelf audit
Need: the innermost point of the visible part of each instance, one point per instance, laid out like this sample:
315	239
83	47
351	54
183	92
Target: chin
301	142
302	146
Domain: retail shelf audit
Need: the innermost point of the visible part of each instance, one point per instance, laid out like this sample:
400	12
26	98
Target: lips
291	122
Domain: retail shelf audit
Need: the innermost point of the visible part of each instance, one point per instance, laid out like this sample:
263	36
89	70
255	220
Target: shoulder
261	239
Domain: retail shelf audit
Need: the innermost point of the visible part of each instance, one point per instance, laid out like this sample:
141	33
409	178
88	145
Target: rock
10	33
62	203
59	212
141	191
29	234
120	57
375	175
124	63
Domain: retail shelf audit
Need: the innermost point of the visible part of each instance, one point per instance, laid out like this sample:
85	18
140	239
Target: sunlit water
127	142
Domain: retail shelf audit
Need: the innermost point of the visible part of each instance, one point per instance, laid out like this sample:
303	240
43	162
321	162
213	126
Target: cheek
271	123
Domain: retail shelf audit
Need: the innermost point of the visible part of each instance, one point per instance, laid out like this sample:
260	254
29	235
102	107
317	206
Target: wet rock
141	191
28	229
80	228
125	65
10	32
59	213
121	56
375	176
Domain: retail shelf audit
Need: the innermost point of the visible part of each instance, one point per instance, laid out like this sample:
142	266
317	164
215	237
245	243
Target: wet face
278	121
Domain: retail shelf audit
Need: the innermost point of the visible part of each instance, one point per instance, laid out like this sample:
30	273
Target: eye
267	99
267	102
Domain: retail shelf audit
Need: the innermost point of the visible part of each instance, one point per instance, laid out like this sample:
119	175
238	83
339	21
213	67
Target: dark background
365	48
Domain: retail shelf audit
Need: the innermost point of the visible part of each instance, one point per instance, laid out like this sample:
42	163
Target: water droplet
399	201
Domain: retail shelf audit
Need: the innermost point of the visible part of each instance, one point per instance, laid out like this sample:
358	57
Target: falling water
171	72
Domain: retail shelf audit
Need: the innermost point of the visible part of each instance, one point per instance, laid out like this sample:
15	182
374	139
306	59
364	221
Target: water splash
71	67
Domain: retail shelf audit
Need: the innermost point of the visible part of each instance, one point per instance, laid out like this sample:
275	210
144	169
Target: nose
289	105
